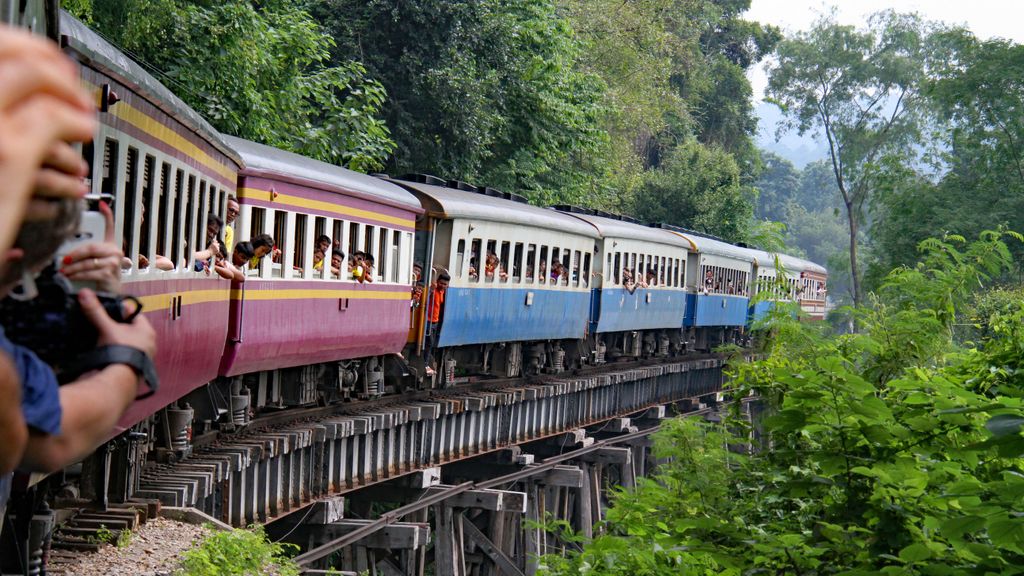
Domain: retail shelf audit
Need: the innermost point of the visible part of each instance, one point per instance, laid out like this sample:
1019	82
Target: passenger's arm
13	433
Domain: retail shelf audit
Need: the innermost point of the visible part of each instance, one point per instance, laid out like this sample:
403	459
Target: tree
777	185
481	90
861	89
697	187
257	71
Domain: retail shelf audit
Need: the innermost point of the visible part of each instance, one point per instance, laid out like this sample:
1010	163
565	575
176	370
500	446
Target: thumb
93	310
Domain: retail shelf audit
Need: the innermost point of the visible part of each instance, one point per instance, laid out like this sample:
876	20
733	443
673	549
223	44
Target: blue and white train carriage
638	295
718	284
527	311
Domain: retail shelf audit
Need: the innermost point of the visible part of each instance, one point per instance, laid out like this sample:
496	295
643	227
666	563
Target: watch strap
130	356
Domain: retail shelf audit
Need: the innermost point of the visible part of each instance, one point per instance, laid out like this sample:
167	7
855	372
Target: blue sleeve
40	394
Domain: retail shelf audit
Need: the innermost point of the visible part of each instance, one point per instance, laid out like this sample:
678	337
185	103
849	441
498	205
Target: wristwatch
104	356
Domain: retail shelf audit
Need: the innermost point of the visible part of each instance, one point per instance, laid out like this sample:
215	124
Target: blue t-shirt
40	395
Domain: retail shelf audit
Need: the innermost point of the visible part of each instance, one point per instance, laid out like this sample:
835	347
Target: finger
94	311
55	184
108	219
109	263
43	120
94	275
93	250
25	77
64	158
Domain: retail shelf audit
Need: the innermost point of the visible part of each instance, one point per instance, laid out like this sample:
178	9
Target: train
532	290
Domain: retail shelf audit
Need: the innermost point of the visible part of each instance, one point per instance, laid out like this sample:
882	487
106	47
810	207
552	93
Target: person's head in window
323	243
417	273
213	226
262	245
337	259
233	211
242	253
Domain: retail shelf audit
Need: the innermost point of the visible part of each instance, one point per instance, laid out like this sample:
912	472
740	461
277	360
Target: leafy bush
238	553
890	451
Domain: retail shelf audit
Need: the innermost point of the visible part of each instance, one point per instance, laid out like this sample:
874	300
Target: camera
53	325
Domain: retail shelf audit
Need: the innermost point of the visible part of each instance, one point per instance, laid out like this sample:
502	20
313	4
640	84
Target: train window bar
176	231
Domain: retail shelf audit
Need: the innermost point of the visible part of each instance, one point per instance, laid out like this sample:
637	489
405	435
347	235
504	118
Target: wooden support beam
562	476
503	562
327	511
608	455
397	536
493	500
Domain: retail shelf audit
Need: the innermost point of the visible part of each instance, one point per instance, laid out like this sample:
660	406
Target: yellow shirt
229	239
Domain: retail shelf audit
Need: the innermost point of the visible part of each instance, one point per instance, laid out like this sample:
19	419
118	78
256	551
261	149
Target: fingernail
67	260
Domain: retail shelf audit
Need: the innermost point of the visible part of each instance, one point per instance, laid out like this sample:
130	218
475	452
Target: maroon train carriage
166	168
300	334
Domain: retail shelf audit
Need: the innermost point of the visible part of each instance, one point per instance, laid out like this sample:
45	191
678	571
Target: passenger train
571	287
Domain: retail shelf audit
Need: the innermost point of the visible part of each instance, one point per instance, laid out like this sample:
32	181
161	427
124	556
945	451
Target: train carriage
813	290
520	300
166	169
718	284
636	321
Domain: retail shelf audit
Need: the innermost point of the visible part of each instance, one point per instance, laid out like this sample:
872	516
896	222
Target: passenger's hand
137	334
99	262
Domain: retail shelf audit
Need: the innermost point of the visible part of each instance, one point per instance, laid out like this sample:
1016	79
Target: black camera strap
104	356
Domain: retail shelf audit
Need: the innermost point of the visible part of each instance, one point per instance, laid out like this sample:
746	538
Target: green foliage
258	71
697	187
238	553
481	90
889	451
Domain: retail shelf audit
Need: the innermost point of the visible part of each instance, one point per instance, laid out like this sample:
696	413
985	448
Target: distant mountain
800	150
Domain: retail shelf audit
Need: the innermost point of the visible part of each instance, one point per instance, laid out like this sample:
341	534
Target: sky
986	18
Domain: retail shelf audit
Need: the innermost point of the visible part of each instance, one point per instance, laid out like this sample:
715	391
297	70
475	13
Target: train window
409	250
89	155
474	260
163	194
383	264
176	248
108	181
337	239
616	269
222	206
531	262
319	229
576	272
460	258
280	228
517	263
555	259
490	271
299	253
503	262
145	237
566	262
368	232
199	232
585	276
396	254
543	265
353	237
128	210
190	217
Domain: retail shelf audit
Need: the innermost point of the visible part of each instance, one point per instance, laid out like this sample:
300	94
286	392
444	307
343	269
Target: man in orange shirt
437	293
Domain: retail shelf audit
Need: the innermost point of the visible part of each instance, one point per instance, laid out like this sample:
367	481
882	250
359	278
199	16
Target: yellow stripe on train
155	302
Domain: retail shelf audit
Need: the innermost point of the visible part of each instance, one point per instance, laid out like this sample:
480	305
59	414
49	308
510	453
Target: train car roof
767	259
610	227
101	54
445	202
706	245
266	160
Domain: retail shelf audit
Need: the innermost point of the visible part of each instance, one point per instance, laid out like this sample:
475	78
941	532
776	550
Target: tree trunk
854	269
